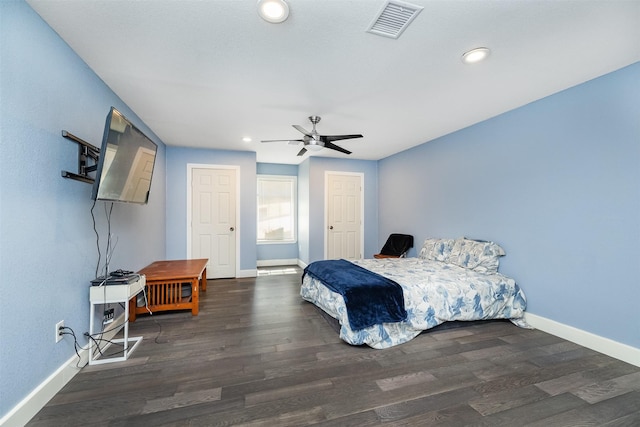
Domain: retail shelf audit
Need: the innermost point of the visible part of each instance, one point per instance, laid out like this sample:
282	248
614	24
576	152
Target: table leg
195	294
132	308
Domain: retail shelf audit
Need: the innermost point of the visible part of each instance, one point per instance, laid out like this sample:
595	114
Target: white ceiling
208	73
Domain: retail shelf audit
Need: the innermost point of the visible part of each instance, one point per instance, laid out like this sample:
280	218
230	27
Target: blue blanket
369	297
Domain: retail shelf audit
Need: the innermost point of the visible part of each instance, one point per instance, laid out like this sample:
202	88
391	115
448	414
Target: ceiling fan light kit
273	11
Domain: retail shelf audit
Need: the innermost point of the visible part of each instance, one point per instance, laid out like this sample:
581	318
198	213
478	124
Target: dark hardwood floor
258	355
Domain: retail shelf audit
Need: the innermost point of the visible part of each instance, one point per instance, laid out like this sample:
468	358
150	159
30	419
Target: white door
213	220
344	216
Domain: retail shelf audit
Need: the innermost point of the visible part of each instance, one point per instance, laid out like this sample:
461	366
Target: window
276	209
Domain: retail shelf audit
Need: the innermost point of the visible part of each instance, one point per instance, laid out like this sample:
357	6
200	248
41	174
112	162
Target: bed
450	280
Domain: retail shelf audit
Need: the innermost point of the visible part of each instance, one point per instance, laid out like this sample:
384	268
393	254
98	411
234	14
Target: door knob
331	227
231	229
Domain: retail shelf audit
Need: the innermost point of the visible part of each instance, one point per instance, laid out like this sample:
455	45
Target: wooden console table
164	286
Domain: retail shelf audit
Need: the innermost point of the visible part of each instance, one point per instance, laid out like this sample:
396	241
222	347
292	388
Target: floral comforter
434	292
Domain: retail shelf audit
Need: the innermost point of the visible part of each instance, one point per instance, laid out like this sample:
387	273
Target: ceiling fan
314	141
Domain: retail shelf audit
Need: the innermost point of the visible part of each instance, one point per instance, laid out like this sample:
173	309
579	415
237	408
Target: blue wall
557	184
304	197
177	160
276	251
48	246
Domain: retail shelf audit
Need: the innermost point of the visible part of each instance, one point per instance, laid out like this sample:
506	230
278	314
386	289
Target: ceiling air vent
394	17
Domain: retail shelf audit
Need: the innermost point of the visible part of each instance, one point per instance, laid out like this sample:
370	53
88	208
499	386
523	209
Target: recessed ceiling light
475	55
246	139
274	11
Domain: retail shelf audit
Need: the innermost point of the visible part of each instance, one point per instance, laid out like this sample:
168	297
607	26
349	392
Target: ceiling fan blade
328	144
290	141
302	151
301	129
331	138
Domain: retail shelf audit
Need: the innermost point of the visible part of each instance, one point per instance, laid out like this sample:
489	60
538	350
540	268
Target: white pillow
476	255
436	249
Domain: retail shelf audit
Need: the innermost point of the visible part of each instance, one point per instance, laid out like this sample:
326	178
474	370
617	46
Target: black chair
396	246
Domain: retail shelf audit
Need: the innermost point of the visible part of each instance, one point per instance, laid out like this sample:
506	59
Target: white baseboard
620	351
26	409
247	273
35	401
283	262
276	262
269	263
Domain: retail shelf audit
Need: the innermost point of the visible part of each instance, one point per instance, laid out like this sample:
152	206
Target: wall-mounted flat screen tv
125	165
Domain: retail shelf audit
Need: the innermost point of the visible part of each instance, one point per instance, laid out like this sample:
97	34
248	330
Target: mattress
434	292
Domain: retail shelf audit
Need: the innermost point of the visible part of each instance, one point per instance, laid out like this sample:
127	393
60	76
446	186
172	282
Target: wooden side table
164	286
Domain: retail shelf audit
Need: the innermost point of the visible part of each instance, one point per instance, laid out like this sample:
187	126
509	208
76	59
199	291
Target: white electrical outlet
59	335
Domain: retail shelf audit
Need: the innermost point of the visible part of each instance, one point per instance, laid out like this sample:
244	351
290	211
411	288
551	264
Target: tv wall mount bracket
86	152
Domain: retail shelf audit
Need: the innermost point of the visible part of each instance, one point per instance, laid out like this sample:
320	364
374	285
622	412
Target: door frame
190	168
326	208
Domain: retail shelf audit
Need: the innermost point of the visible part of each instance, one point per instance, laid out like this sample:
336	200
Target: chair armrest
380	256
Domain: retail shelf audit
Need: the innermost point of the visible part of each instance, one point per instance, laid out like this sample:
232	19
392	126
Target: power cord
96	339
159	332
109	248
65	330
95	230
